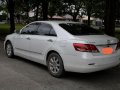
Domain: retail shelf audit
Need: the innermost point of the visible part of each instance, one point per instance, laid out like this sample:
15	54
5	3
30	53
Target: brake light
85	47
118	46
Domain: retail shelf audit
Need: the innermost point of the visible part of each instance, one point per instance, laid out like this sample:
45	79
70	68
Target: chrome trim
29	51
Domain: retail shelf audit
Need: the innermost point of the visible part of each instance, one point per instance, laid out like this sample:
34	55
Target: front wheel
9	50
55	65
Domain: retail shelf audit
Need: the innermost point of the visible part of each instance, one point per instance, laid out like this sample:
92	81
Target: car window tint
80	29
52	32
30	29
45	29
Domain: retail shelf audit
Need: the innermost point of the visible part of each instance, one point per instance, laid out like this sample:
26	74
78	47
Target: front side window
79	29
30	29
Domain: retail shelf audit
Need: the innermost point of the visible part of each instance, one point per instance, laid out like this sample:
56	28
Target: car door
22	40
42	41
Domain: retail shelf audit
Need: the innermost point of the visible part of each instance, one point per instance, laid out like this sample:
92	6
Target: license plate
107	50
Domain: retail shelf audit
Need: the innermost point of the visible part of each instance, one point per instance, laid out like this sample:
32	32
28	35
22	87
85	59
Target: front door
22	40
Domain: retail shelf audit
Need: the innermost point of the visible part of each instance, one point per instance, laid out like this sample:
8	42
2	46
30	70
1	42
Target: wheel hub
54	65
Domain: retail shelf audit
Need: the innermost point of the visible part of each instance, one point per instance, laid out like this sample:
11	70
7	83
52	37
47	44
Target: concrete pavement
22	74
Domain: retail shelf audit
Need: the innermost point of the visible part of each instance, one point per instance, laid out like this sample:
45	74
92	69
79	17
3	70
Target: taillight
118	46
85	47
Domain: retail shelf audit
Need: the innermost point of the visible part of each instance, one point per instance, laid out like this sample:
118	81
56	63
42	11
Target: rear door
42	41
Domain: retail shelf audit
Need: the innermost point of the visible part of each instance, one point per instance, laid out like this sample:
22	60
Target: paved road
21	74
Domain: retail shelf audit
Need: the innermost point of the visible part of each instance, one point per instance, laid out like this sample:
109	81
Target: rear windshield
79	29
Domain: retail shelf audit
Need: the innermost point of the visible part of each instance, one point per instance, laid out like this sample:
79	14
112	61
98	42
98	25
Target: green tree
19	9
36	4
45	5
90	7
55	7
26	8
118	10
73	7
99	9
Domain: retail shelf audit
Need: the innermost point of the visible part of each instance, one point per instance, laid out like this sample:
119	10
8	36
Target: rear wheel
9	50
55	65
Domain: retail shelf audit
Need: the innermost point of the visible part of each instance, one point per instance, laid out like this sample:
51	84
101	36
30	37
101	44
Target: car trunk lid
104	43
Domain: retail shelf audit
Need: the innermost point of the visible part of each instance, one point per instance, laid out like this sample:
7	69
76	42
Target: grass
4	29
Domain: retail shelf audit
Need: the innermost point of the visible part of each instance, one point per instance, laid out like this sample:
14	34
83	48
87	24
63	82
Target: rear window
79	29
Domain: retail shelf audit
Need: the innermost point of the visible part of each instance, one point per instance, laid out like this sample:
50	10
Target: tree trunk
45	9
89	15
37	11
18	18
74	18
10	4
27	14
110	17
76	13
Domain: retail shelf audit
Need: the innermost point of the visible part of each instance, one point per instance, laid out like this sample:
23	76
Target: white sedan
64	46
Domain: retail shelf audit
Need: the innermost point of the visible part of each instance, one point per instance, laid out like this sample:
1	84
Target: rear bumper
90	63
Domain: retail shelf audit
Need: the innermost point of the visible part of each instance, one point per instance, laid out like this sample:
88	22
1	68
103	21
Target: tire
55	65
9	50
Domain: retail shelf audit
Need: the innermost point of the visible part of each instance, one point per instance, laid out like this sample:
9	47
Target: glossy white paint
36	48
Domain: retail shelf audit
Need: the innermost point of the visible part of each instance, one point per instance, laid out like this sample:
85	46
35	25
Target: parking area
22	74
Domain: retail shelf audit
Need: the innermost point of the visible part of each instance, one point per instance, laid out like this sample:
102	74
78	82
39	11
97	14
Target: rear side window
46	29
52	32
79	29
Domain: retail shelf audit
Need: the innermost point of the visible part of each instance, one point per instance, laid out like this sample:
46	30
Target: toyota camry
64	46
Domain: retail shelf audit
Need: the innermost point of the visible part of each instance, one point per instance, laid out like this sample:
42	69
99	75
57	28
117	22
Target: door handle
50	40
28	38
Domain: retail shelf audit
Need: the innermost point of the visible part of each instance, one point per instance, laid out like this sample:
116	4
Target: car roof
57	22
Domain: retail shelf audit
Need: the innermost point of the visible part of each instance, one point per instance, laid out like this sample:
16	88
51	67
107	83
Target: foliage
95	7
55	7
43	8
73	7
